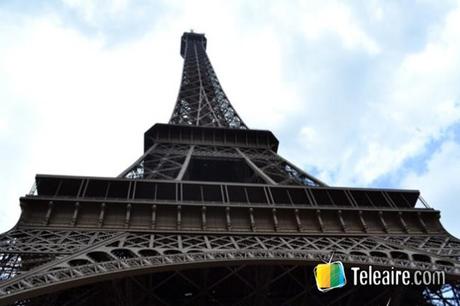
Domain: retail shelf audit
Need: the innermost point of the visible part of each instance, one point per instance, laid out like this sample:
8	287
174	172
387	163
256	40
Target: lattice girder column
170	160
201	100
127	254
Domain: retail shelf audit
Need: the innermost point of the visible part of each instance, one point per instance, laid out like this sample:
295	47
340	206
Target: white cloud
92	10
416	102
318	19
84	107
3	126
76	105
440	183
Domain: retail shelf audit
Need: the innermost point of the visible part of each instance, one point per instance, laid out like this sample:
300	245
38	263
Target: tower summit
211	214
201	99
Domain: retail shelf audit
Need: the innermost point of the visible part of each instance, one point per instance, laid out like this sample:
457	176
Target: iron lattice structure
210	214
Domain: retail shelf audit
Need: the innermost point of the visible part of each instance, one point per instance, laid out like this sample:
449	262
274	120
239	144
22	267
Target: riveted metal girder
131	253
201	99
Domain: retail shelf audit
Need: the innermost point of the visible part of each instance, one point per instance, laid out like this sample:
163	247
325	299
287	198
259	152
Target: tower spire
201	100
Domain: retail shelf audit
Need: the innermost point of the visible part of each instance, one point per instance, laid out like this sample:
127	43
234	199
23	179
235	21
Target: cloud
316	20
75	106
440	183
354	92
91	10
406	106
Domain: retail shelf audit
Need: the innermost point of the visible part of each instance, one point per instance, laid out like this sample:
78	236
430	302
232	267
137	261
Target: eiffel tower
210	214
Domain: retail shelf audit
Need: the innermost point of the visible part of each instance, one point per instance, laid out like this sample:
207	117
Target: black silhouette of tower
210	214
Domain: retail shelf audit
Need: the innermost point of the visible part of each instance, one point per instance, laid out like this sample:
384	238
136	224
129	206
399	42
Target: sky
361	94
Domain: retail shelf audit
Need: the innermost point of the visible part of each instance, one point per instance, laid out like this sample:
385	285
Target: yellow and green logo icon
329	276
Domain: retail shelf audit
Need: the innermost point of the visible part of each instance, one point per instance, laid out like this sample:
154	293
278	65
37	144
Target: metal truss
446	295
170	161
23	249
129	254
224	285
279	170
162	161
9	265
49	241
201	99
202	102
444	245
